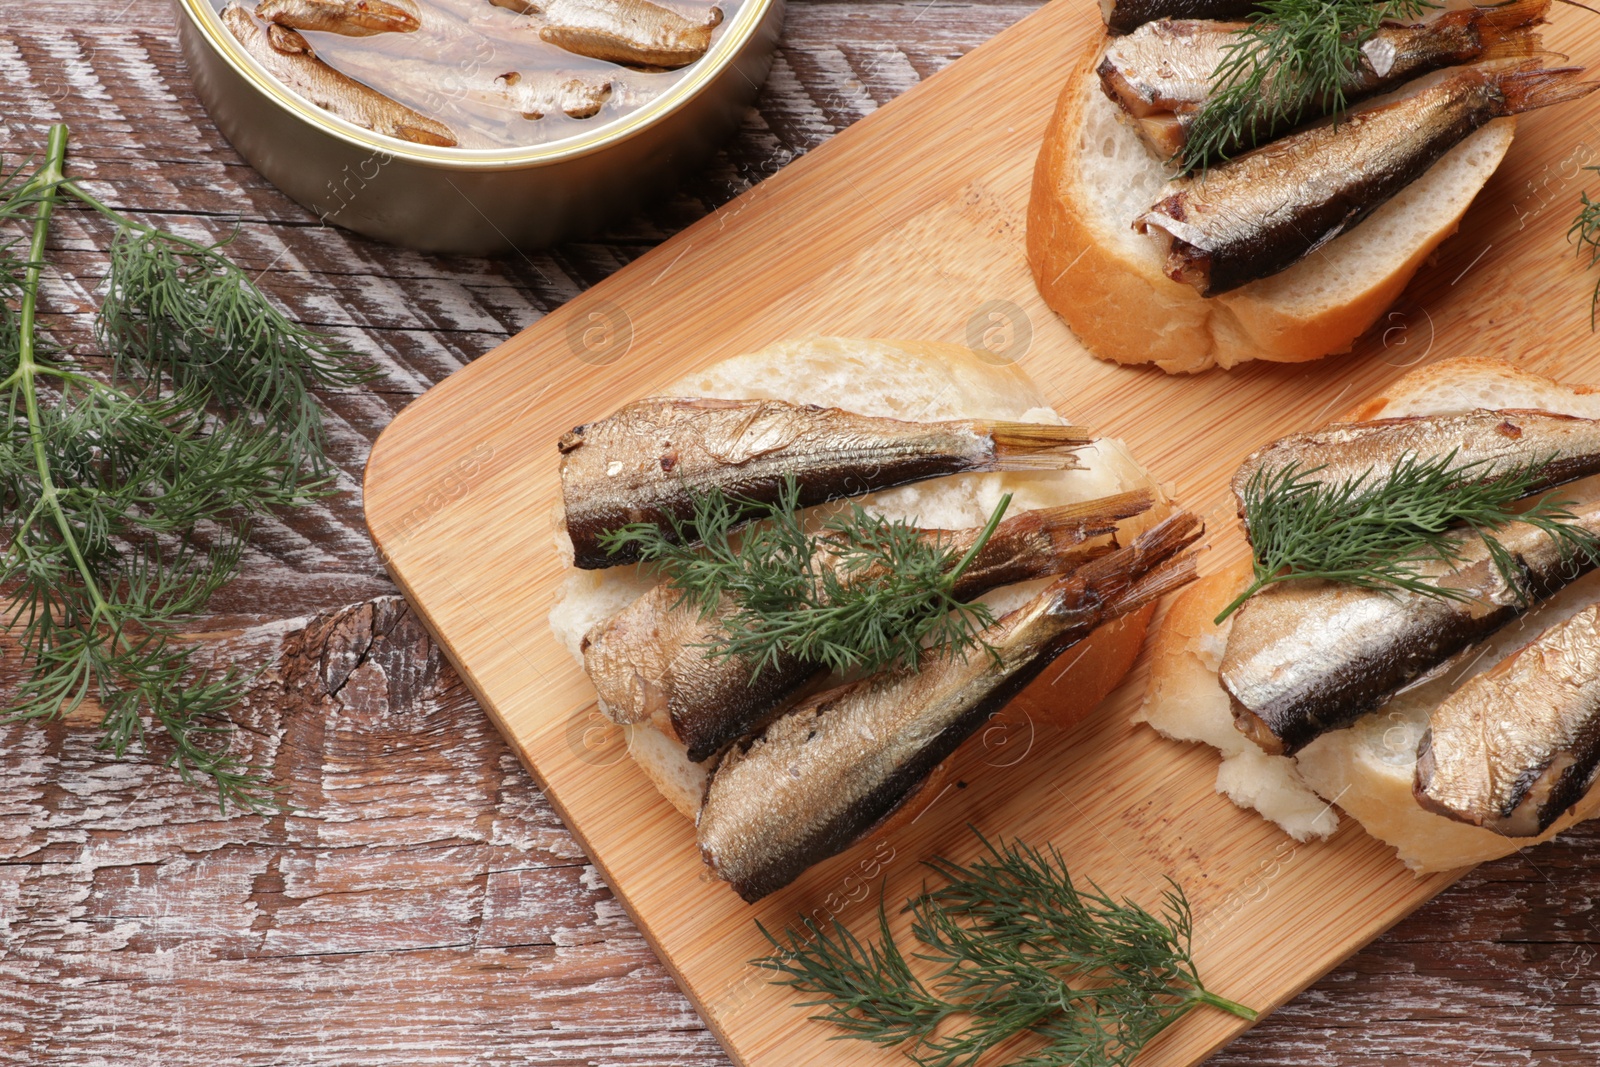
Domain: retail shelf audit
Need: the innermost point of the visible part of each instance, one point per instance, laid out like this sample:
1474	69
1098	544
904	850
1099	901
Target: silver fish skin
287	57
1125	16
646	462
834	766
1365	452
1307	657
350	18
655	659
1260	213
1160	75
1518	745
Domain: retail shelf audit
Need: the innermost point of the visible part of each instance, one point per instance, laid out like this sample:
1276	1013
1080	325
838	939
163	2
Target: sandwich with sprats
1411	637
1223	182
802	579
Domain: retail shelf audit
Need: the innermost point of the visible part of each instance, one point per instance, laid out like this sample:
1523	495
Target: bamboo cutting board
910	224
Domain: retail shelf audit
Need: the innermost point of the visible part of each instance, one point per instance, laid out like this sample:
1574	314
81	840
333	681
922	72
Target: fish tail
1500	22
1519	42
1175	573
1131	577
1035	446
1072	524
1530	86
1068	527
1043	542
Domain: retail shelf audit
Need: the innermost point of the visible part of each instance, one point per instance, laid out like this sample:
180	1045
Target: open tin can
476	201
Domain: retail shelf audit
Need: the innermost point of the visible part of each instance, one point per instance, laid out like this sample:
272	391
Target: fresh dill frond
1292	62
886	593
1585	233
1017	947
1382	535
179	315
862	593
128	499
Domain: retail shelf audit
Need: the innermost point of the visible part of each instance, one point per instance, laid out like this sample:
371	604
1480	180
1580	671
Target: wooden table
423	905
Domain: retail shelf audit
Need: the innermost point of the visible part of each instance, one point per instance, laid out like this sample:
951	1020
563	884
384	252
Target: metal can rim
724	52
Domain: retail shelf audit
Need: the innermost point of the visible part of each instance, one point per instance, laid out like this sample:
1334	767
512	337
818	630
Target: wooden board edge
526	760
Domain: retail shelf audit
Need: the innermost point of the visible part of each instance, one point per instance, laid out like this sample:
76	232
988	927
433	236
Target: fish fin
1499	22
1022	446
1519	42
1175	573
1069	525
1120	579
437	134
1529	87
1422	776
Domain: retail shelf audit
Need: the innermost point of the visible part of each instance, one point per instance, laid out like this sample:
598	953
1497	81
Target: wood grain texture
910	225
426	905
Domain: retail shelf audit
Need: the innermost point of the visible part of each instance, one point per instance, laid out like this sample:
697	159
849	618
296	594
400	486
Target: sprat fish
1516	746
287	57
1261	212
835	765
1306	657
635	33
656	659
351	18
532	94
538	93
1484	441
1160	75
647	462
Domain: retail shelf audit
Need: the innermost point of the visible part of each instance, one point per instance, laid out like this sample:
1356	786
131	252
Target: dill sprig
1585	233
1290	63
128	499
1383	535
1017	947
862	593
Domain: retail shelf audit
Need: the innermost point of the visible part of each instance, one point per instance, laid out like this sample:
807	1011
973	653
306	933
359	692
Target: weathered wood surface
423	905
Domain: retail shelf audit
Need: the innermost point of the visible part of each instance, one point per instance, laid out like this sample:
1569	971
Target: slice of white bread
1094	177
912	380
1365	770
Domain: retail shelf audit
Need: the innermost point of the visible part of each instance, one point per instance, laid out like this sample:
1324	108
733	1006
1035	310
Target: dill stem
1250	590
49	179
983	539
1232	1007
89	200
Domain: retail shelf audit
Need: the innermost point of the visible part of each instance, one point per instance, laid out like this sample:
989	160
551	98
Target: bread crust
1184	652
1127	311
